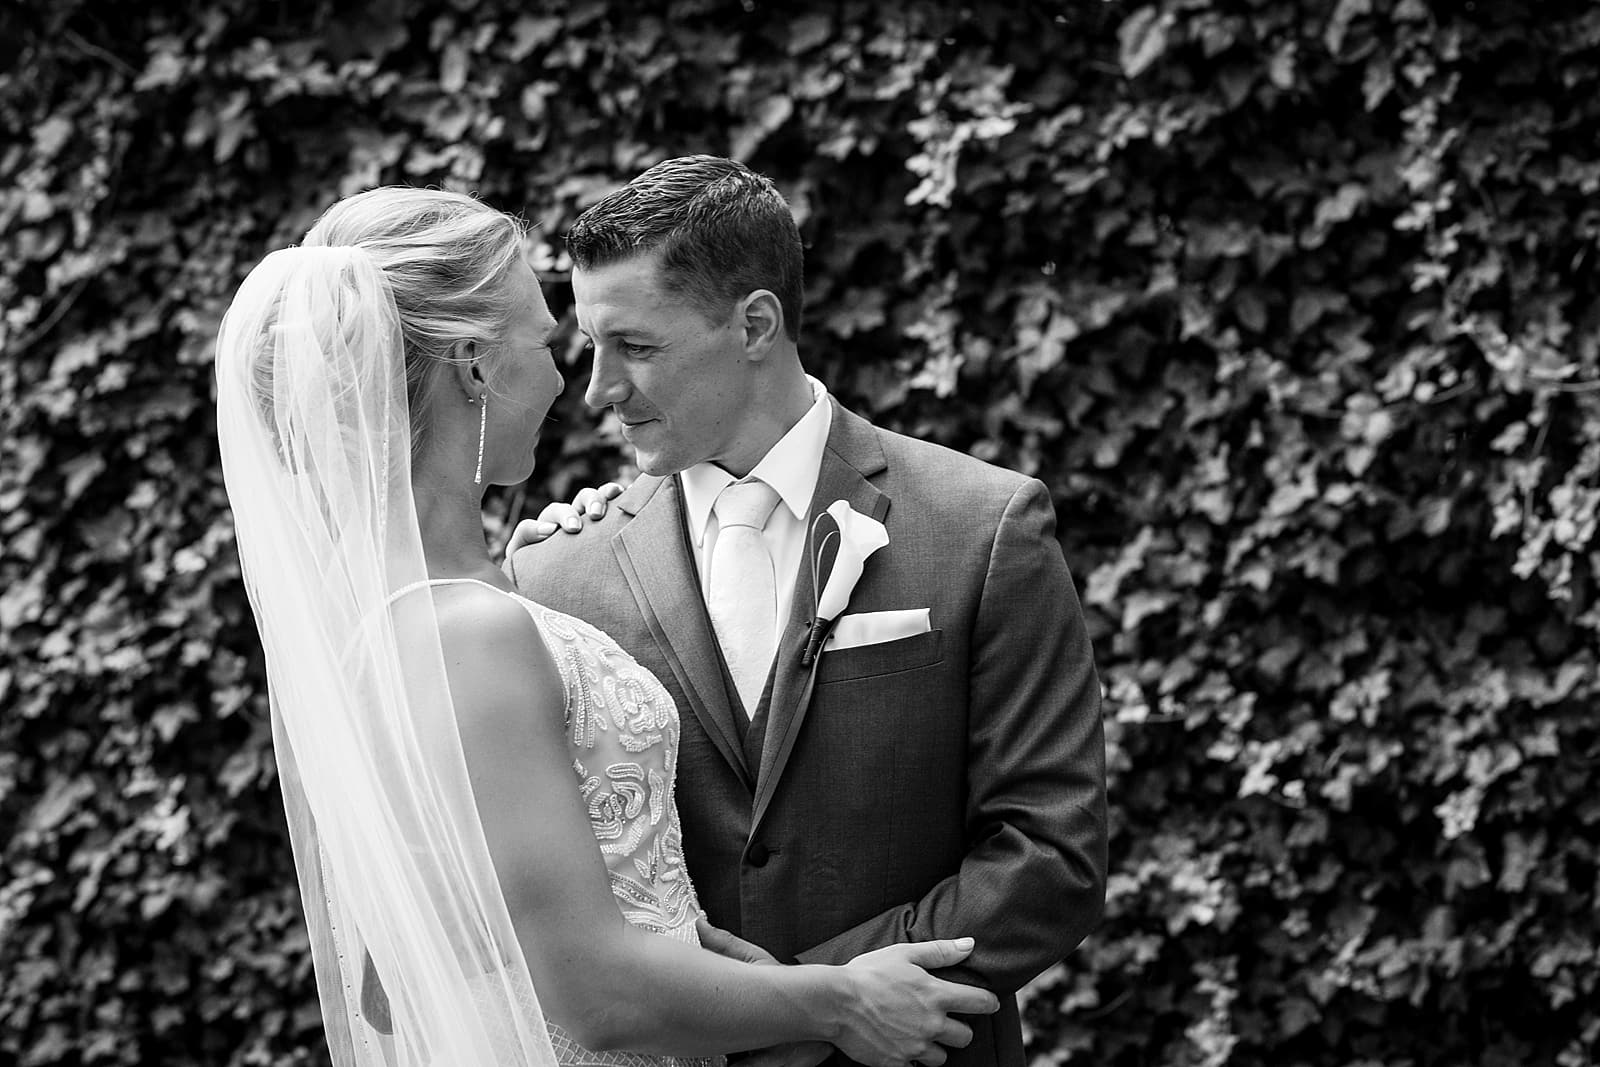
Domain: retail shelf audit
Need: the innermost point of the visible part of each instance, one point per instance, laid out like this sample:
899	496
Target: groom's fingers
723	943
714	938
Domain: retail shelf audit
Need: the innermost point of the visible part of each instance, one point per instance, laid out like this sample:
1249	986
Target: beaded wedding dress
622	728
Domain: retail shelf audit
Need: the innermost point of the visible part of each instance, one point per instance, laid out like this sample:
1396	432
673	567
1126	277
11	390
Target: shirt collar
791	467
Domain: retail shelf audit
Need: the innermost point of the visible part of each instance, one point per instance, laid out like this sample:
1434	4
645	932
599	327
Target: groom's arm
1033	884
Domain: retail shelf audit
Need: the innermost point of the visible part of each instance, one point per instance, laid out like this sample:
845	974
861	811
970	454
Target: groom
937	769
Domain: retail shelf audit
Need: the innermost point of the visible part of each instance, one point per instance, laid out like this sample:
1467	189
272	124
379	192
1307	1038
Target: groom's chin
653	463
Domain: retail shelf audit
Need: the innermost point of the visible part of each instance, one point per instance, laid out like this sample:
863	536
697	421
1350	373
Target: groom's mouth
628	427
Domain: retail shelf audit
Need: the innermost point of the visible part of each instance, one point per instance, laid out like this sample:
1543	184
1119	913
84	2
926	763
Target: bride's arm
612	985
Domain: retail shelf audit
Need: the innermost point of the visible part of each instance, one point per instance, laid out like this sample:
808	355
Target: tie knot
746	504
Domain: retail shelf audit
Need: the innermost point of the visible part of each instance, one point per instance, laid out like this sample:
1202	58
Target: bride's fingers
943	953
955	1034
529	532
559	513
595	501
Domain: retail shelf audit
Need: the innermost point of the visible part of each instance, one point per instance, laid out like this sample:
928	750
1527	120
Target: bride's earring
483	426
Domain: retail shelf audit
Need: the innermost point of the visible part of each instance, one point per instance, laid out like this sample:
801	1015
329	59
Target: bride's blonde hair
447	259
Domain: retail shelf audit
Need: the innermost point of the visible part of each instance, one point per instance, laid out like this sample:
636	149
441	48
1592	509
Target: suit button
758	855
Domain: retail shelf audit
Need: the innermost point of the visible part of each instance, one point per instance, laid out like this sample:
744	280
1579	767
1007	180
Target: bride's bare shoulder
506	691
464	604
493	649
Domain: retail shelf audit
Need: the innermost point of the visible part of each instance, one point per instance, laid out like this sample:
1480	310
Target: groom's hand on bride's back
560	517
732	946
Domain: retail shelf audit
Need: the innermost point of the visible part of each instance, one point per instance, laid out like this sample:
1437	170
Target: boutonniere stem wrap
851	537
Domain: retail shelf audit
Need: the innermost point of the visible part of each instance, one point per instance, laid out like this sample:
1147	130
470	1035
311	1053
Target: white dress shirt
791	467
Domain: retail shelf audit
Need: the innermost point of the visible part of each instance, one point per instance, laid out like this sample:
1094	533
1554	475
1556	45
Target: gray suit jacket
946	784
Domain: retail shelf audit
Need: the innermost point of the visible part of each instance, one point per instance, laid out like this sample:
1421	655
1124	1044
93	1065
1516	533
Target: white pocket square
876	627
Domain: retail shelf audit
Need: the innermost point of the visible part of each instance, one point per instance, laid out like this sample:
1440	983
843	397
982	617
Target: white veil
394	870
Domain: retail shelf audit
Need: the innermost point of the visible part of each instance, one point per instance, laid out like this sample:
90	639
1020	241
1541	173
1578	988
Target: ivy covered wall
1292	305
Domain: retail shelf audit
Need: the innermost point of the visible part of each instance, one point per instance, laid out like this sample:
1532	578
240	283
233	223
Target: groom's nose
607	385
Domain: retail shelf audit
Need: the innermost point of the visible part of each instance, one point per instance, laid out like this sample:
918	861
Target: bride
478	789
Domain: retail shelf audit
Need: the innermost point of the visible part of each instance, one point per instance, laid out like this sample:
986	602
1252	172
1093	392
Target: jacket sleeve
1032	883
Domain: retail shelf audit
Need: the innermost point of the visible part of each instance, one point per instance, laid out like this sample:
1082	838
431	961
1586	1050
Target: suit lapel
853	454
653	551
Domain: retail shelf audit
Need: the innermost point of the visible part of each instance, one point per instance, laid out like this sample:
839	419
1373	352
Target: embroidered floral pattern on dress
623	729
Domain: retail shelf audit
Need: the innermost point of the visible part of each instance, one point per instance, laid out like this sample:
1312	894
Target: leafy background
1292	305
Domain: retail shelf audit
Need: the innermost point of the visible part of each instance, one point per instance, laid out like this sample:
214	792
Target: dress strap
430	582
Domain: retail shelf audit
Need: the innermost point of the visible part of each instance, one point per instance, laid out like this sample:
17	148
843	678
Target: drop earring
483	426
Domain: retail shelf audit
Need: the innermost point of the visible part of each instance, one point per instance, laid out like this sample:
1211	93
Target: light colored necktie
742	589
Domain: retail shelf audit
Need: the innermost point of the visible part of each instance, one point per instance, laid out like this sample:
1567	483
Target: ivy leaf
940	373
1377	80
1143	39
808	32
60	800
1339	22
771	113
453	66
531	32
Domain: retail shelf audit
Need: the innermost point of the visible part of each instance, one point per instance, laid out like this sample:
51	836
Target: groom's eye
632	349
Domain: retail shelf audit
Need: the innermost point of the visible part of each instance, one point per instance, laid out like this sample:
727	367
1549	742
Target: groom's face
676	380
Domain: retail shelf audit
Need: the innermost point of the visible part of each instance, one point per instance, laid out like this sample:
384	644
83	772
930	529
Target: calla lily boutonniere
851	537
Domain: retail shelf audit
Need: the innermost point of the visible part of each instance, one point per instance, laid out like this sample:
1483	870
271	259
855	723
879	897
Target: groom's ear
761	314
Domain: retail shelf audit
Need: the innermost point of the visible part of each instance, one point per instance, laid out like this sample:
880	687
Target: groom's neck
781	403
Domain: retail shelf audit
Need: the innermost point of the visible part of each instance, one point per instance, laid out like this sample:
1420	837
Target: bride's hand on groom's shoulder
591	503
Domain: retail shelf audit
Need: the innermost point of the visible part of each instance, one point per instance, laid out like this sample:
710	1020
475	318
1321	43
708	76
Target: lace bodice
622	727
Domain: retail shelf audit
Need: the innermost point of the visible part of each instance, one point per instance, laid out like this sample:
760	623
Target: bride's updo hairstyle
447	259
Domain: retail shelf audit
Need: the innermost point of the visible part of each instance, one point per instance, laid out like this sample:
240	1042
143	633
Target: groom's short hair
723	231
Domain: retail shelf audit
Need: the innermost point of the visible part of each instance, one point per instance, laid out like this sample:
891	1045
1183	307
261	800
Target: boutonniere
846	537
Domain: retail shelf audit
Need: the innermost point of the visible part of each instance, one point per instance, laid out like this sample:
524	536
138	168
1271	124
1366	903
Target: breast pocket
881	660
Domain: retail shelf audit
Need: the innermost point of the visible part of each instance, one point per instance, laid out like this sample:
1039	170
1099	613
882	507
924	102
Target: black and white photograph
849	533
